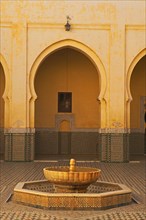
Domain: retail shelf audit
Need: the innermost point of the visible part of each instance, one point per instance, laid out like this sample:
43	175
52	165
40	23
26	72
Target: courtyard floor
132	174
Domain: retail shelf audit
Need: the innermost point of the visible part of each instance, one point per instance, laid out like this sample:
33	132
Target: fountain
71	187
71	179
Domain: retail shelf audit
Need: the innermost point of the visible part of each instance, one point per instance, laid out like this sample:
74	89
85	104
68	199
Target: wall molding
6	24
135	27
73	26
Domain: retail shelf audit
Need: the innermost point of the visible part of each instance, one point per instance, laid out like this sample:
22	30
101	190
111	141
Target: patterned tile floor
132	174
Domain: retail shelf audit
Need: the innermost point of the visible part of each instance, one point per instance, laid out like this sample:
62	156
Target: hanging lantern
67	25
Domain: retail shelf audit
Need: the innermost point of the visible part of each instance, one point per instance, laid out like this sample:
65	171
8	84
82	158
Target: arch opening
137	107
67	70
51	49
2	89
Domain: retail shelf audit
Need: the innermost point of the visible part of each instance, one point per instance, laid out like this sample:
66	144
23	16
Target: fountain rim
66	169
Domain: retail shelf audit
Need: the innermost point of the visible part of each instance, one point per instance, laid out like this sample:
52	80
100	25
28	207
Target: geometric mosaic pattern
40	216
131	174
102	195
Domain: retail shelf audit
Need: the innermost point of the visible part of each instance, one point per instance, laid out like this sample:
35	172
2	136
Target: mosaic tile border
112	195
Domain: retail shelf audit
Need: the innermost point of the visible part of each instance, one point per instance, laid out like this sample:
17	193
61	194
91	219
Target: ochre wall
111	34
138	89
113	31
2	85
67	70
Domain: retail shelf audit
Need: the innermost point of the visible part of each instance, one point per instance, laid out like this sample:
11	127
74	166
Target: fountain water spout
72	165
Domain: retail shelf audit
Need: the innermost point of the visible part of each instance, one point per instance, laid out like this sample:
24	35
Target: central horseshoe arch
88	52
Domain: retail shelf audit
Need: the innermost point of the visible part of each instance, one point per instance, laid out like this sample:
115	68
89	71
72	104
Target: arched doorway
2	88
137	108
66	72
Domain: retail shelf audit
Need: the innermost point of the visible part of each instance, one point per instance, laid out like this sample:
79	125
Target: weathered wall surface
110	33
113	30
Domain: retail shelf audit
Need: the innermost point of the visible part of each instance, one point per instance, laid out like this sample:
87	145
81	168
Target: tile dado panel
107	147
114	147
66	144
2	148
19	147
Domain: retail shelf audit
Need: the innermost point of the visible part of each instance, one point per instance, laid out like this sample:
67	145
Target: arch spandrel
88	52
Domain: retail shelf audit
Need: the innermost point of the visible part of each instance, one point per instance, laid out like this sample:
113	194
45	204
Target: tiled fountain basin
100	195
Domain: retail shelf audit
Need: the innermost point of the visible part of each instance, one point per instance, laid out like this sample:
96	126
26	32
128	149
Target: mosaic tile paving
131	174
39	216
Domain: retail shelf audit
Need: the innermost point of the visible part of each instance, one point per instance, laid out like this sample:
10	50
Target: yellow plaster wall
135	38
67	70
113	30
2	87
6	41
138	89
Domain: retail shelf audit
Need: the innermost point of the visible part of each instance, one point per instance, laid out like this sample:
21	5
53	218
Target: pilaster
19	146
114	145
